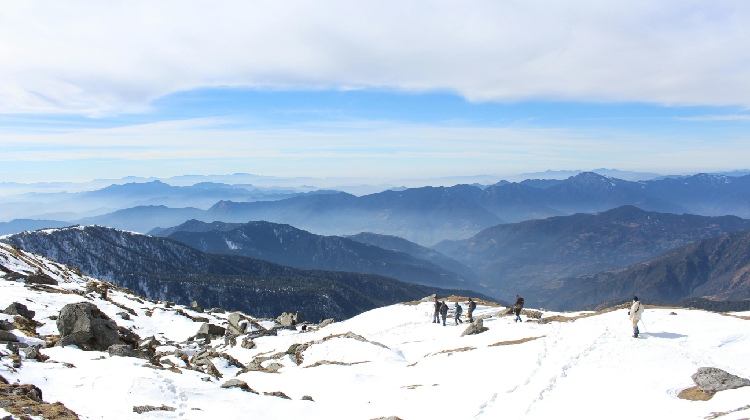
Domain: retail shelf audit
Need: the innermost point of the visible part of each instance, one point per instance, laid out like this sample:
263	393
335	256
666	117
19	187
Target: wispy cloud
732	117
93	58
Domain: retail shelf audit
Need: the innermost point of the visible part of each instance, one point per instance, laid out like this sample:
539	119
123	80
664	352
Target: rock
16	308
140	409
6	326
475	328
673	313
307	398
84	325
236	383
8	336
286	320
710	379
121	350
207	329
326	322
194	306
247	343
273	367
124	315
41	278
237	323
277	394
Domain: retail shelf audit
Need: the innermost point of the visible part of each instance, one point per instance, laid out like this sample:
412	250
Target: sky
371	90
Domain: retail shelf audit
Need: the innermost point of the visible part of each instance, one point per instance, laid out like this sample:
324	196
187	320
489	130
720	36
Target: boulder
84	325
207	329
475	327
237	323
8	336
16	308
711	380
121	350
236	383
288	320
196	307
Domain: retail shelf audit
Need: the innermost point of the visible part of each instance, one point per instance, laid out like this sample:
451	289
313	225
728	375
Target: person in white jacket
635	312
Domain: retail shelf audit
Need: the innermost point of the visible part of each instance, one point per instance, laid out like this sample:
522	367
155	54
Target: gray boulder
207	329
16	308
236	383
237	323
121	350
710	379
475	327
84	325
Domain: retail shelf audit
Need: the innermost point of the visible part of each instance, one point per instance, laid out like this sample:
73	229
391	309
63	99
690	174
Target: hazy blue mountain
716	268
522	256
423	215
396	243
165	269
287	245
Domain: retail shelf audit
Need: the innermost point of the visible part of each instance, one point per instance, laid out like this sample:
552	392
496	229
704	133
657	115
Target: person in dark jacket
443	311
436	315
517	308
470	311
458	309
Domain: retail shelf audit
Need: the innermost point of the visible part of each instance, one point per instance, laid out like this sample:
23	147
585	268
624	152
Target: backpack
459	309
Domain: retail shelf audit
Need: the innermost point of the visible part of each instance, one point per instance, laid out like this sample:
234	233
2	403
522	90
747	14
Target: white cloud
102	57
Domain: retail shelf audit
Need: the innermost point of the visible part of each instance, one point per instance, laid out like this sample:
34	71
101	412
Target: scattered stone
326	322
236	383
238	323
307	398
387	418
277	394
16	308
33	353
247	343
140	409
673	313
84	325
197	308
207	329
712	380
26	325
41	278
121	350
124	315
6	326
7	336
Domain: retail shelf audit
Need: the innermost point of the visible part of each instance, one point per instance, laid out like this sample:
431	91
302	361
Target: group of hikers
441	310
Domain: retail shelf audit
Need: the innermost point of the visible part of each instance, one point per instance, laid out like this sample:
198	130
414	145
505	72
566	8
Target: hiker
436	315
472	305
635	312
458	310
443	311
517	308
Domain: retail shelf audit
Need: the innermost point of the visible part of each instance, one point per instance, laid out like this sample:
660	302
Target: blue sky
376	92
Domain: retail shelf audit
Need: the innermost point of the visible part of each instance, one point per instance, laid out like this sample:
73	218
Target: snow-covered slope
386	362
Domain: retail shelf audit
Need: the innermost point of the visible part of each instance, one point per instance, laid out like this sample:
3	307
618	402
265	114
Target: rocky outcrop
236	383
16	308
84	325
711	380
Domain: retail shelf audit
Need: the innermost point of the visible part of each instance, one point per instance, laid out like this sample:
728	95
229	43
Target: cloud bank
99	58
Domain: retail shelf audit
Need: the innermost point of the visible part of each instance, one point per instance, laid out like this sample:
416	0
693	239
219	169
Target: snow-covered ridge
391	361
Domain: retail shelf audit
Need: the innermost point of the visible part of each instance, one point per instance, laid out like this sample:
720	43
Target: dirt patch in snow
694	394
511	342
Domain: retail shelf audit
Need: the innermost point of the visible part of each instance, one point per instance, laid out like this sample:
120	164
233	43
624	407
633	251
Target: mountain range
165	269
715	268
429	215
523	257
287	245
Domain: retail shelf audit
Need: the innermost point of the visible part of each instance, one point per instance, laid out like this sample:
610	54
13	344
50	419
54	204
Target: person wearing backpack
471	306
443	311
517	308
635	312
436	315
458	310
